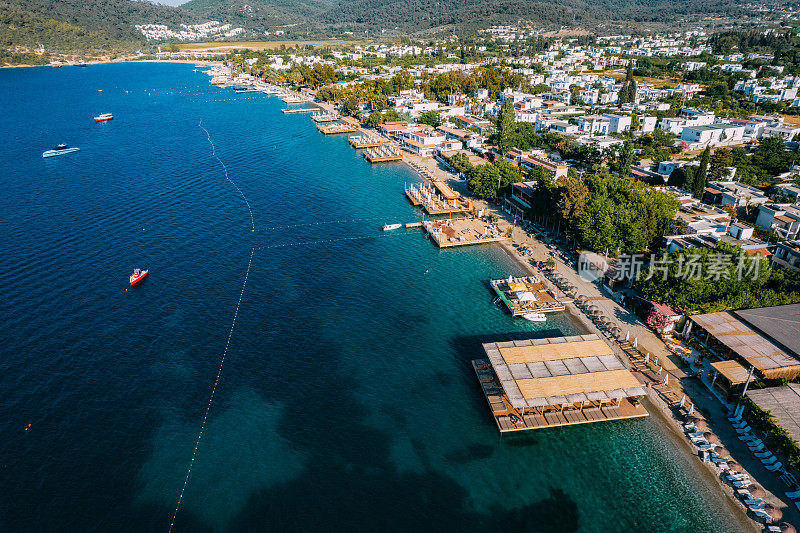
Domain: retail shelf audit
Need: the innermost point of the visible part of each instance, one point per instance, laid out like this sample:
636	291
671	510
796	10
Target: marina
463	232
526	295
558	381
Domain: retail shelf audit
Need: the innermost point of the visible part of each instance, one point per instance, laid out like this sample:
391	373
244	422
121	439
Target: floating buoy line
224	354
225	169
213	392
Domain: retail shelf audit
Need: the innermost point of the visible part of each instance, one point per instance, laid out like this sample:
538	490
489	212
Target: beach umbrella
722	451
775	513
787	527
711	438
733	466
756	491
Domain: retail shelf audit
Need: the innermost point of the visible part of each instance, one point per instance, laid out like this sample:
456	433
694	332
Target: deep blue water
346	401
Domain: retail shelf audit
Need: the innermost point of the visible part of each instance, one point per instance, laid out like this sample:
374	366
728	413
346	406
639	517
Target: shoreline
202	62
655	406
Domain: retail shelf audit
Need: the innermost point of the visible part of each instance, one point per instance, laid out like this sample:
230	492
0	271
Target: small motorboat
61	149
138	275
390	227
535	317
105	117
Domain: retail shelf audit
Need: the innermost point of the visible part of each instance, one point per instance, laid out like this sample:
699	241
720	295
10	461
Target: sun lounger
764	455
735	419
762	514
753	502
739	424
773	529
774	466
744	494
769	461
742	484
745	429
758	443
746	438
694	434
736	477
757	507
705	446
793	495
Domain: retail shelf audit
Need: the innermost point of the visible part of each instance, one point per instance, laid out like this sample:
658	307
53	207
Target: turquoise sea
346	401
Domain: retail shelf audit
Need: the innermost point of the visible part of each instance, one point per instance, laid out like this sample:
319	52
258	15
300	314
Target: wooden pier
526	295
325	117
300	110
384	153
437	198
462	232
337	127
559	381
365	140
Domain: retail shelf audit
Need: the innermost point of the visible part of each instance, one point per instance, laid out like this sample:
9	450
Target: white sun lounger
762	514
736	477
742	484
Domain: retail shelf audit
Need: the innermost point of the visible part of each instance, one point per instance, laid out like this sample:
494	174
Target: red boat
105	117
138	275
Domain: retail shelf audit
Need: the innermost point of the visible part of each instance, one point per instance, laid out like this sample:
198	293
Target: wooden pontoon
526	295
558	381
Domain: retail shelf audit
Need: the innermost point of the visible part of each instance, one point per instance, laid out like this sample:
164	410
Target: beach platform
559	381
333	128
300	110
437	198
325	117
526	295
462	232
365	140
383	153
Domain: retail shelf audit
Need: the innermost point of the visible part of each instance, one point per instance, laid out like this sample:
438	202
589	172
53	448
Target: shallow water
346	400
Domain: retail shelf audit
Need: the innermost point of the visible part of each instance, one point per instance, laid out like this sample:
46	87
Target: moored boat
61	149
389	227
105	117
535	317
138	275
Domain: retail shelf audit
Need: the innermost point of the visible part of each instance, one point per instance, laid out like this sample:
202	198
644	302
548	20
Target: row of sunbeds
763	454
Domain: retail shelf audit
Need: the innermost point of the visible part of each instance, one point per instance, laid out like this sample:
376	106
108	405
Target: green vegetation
710	280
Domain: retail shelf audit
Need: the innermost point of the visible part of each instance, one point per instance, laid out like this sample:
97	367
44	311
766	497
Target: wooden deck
539	419
383	153
337	128
365	140
301	110
462	232
546	300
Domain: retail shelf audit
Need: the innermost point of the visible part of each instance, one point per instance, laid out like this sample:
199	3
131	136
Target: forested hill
114	18
259	15
415	15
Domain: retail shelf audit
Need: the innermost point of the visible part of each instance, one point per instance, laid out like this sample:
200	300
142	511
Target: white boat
390	227
61	149
535	317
